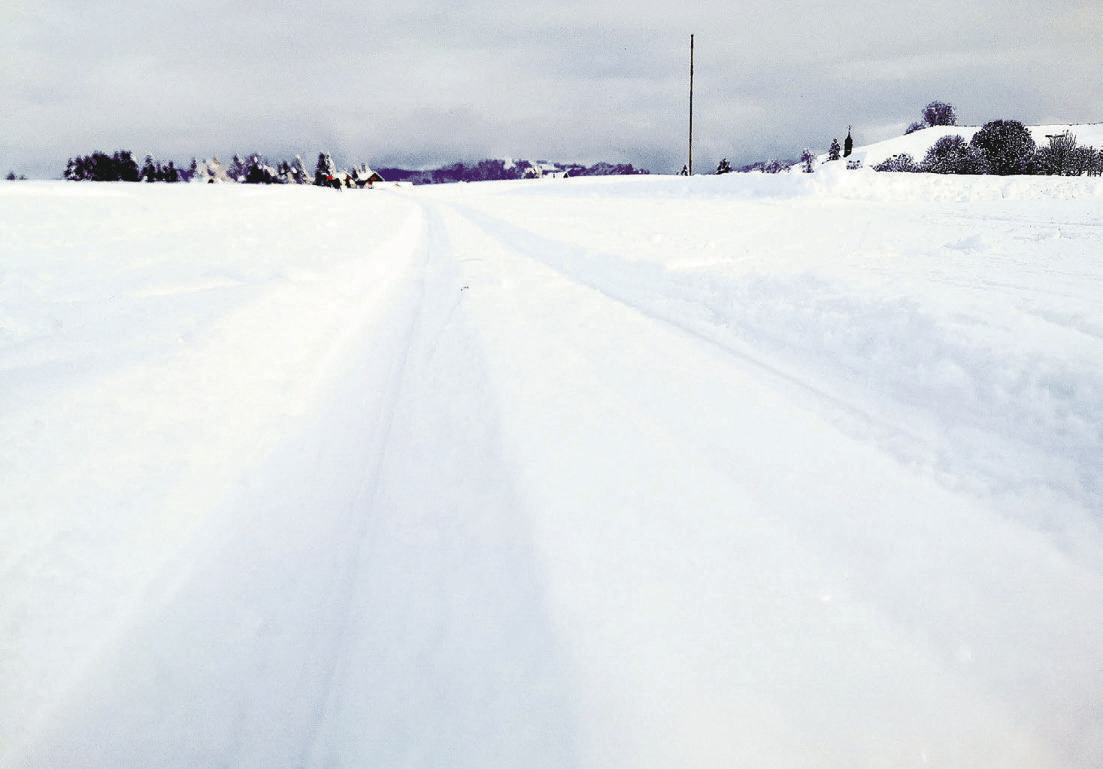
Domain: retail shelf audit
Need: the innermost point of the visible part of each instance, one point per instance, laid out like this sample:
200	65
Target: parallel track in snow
891	413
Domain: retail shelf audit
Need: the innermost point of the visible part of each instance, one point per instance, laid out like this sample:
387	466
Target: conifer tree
149	170
237	170
298	171
833	150
807	159
325	172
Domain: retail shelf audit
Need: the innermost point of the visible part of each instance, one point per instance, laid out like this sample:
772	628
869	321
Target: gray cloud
428	82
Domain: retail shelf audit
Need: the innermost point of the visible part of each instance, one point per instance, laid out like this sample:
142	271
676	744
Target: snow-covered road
769	471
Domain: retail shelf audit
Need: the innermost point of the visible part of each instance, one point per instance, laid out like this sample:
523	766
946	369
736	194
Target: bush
902	163
1095	162
953	155
1063	157
1007	146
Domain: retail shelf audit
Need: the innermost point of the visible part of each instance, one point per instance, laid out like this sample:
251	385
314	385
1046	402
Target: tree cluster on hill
1002	147
935	113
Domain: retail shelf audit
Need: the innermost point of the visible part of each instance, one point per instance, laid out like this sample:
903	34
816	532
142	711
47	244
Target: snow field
785	472
218	339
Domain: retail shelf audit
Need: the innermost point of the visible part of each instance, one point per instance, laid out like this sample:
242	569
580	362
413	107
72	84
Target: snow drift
764	471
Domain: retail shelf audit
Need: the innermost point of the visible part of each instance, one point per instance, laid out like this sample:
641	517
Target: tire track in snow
548	253
680	501
448	658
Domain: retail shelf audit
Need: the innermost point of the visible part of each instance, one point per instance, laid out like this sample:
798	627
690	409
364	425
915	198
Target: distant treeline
254	169
499	170
121	166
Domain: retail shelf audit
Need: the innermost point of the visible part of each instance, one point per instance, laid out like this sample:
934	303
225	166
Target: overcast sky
424	82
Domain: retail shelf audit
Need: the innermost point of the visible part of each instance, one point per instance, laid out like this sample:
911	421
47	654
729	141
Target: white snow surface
738	471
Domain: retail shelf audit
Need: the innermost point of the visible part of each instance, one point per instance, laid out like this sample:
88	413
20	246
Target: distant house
362	176
545	171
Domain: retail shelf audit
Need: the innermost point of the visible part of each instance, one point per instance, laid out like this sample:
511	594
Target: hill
917	143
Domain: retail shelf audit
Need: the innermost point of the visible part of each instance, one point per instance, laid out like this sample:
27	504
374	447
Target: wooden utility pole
690	166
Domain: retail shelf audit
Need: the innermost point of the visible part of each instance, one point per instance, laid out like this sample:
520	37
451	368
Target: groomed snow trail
635	473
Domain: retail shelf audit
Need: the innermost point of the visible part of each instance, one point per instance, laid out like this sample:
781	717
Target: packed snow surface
739	471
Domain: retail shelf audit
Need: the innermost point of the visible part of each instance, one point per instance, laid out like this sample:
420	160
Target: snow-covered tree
1062	156
939	113
1007	146
298	171
100	167
834	150
325	172
934	114
902	163
724	168
210	172
150	172
257	171
1095	162
953	155
237	169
